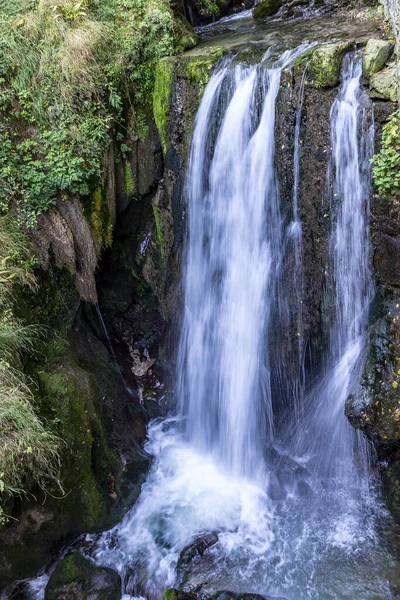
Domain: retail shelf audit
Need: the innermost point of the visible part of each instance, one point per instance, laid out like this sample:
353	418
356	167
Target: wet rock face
375	407
76	578
63	236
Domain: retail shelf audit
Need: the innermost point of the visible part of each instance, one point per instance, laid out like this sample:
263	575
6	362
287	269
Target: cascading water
295	516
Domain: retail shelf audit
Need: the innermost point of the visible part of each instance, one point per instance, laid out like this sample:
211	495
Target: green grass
29	451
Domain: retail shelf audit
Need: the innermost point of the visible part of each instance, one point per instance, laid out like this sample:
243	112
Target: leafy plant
386	164
71	12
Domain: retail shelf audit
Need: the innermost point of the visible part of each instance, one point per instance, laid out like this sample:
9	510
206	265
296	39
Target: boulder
266	8
326	63
386	84
76	578
376	54
197	548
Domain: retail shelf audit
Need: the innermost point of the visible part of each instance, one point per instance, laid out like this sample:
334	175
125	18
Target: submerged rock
76	578
376	54
265	8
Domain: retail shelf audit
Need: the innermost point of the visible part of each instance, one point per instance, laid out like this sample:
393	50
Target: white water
296	516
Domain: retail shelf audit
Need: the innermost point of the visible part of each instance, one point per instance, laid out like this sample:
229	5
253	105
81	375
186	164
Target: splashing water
295	518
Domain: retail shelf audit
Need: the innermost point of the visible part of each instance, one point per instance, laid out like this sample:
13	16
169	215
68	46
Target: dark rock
76	578
19	591
196	548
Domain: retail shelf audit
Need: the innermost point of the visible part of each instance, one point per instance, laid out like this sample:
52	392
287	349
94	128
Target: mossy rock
186	37
376	54
198	68
326	62
266	8
386	84
76	578
69	396
173	594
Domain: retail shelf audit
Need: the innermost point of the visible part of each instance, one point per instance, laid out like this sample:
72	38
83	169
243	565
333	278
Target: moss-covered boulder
266	8
76	578
376	54
326	62
186	37
386	84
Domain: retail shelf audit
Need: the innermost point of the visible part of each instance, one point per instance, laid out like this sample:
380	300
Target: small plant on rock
386	164
71	12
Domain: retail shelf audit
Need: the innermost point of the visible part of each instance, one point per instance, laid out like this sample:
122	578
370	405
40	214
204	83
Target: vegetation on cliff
29	453
387	161
67	69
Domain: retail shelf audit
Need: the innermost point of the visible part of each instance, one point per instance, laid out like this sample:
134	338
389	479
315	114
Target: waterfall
233	267
294	517
350	252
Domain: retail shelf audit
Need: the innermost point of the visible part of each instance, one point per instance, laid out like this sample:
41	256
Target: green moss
70	569
76	576
185	37
198	69
67	396
170	594
97	212
326	62
129	183
160	234
162	97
